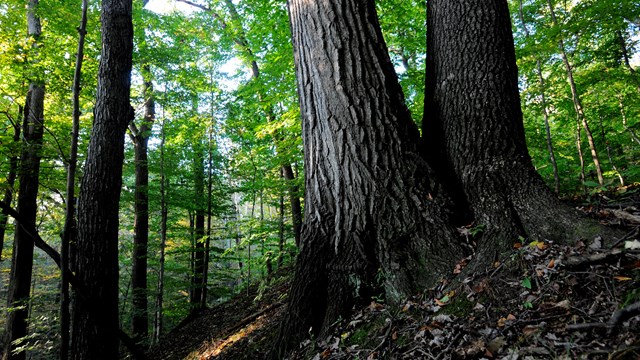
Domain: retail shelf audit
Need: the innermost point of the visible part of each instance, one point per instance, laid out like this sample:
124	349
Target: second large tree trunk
474	129
95	320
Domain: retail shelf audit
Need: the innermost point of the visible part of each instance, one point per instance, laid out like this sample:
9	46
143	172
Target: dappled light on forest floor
217	346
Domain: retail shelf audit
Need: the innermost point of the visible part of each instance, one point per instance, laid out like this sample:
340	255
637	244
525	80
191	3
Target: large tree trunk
368	202
140	318
474	129
95	320
22	262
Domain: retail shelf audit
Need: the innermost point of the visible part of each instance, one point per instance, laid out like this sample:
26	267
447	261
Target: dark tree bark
372	204
96	263
11	178
69	233
16	325
368	202
140	136
474	130
22	262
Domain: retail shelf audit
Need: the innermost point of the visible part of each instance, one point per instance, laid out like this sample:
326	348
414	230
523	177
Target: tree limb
73	280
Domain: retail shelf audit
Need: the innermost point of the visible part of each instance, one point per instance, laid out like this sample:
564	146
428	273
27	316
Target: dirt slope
543	301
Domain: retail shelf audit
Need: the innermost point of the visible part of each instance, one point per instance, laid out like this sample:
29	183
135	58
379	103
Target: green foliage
209	102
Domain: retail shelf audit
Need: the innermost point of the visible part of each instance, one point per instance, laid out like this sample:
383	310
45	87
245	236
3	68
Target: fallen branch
625	216
584	261
623	315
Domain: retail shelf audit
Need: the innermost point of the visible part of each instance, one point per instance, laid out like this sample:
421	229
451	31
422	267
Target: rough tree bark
140	137
96	263
371	203
368	209
474	130
16	325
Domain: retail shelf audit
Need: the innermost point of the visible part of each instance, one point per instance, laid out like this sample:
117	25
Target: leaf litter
543	301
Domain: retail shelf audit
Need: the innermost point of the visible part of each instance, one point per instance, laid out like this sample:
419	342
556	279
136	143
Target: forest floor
544	301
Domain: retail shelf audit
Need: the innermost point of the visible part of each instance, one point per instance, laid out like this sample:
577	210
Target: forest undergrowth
542	301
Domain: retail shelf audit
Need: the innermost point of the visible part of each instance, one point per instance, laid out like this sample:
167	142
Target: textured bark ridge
95	320
474	131
370	221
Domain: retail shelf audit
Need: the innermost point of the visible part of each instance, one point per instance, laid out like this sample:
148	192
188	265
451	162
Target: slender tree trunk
207	245
608	148
158	323
140	317
583	177
281	233
197	285
22	262
94	334
577	103
241	41
11	179
545	112
368	206
294	200
23	244
69	233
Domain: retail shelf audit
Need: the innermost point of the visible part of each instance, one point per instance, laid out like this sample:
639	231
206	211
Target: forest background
214	94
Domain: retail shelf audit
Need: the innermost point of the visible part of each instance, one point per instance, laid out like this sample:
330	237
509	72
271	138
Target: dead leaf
375	306
564	304
394	336
530	330
622	278
501	322
494	345
517	245
551	264
511	317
